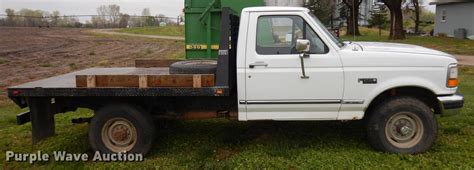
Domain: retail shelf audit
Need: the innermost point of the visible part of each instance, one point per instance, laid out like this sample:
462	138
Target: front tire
121	128
402	125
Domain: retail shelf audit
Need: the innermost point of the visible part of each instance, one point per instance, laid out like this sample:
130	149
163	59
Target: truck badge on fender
368	80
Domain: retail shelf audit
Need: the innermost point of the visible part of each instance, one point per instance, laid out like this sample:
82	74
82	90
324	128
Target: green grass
445	44
228	144
45	65
72	66
166	30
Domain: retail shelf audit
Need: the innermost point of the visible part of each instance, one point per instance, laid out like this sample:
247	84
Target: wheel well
425	95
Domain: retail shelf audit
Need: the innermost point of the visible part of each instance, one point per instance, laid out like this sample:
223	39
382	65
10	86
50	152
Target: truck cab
271	85
341	78
290	67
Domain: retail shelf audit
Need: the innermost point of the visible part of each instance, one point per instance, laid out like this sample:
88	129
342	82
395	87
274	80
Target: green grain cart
203	20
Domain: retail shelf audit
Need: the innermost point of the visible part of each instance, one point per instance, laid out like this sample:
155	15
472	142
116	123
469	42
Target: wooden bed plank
81	81
117	81
91	81
144	81
197	81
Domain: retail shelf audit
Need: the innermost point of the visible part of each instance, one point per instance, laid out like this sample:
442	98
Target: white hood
376	54
398	48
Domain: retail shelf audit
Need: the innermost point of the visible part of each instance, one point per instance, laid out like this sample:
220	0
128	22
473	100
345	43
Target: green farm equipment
203	23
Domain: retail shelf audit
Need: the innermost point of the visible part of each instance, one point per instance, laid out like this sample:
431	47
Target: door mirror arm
302	56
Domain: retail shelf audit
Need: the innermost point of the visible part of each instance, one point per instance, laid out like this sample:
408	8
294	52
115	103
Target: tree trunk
398	32
355	27
396	19
353	17
332	22
417	16
380	31
350	26
392	18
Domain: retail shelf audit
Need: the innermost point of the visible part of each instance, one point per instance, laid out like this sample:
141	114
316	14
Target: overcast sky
169	8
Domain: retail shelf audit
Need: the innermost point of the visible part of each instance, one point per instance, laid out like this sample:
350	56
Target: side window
443	16
317	45
278	35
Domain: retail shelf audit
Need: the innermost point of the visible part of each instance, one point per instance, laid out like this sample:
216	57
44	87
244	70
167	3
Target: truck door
275	88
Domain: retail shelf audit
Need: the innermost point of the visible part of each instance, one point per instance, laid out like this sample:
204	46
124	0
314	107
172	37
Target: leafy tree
114	14
109	15
378	19
343	13
96	22
32	18
323	9
162	19
102	13
124	19
413	6
427	18
10	17
353	17
55	17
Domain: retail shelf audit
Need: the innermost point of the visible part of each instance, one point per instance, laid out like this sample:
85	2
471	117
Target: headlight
452	76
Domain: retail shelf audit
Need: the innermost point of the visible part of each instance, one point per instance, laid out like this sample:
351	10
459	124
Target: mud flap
42	118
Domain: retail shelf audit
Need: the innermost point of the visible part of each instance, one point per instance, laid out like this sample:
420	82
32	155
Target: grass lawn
282	145
166	30
449	45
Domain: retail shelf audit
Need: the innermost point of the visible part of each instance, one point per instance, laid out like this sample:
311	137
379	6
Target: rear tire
194	67
121	128
402	125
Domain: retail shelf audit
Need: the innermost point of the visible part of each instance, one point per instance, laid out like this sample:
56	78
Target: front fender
406	82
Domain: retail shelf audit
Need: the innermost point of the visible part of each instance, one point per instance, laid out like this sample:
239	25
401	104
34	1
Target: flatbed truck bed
60	94
65	86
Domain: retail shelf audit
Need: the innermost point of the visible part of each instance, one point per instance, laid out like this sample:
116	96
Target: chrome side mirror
302	45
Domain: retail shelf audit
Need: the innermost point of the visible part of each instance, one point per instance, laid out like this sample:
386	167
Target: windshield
333	38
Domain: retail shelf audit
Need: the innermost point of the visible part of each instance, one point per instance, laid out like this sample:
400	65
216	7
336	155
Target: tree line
108	16
391	14
33	18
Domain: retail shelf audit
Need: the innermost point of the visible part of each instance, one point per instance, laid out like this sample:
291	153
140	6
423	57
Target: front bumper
451	105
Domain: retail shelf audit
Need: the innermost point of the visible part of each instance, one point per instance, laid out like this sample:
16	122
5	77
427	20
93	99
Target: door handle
258	63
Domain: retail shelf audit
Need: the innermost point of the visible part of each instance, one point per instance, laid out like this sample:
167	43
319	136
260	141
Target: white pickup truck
284	66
